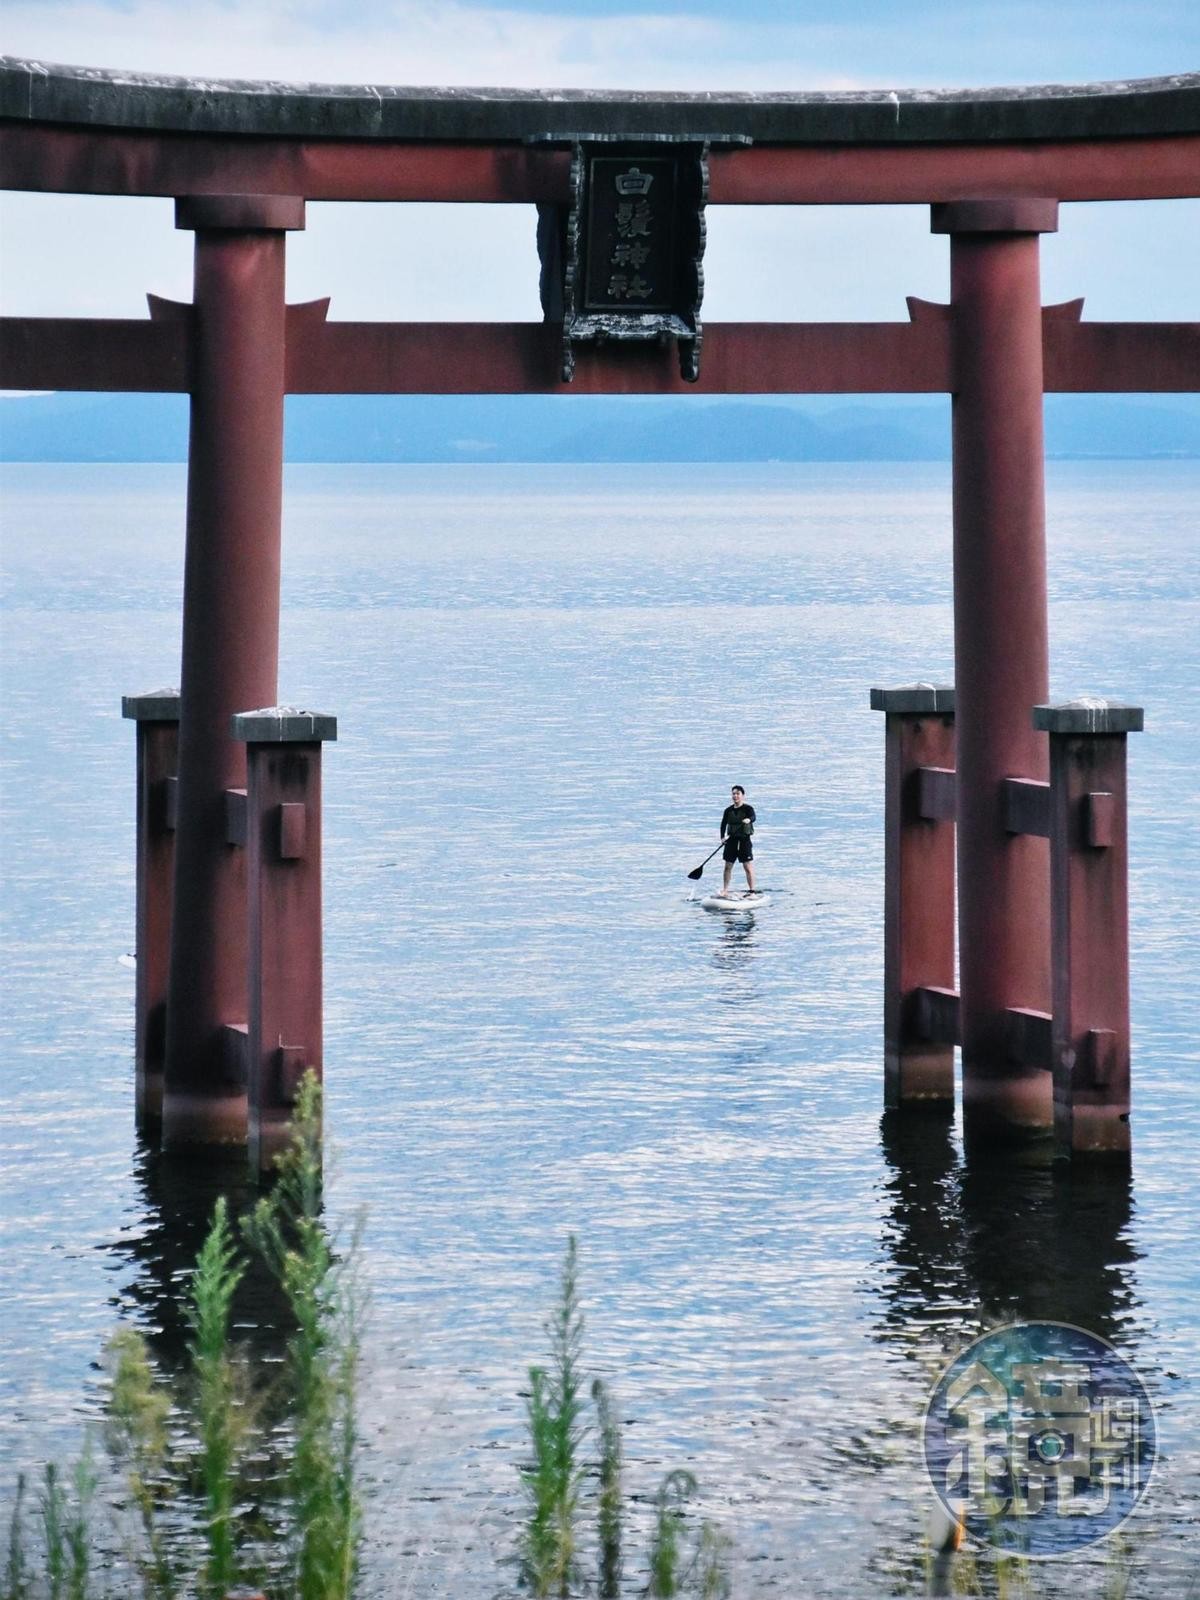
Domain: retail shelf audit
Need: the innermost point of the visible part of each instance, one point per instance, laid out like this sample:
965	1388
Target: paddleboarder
737	827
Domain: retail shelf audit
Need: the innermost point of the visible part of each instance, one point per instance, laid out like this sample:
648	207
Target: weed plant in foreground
687	1556
177	1506
196	1492
192	1490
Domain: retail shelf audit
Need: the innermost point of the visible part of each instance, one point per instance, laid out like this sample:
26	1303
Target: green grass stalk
555	1416
608	1515
666	1549
713	1580
16	1575
53	1507
327	1304
220	1425
136	1434
78	1530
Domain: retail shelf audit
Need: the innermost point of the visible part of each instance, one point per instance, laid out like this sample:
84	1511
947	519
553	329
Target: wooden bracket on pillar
1089	923
292	1065
157	718
235	817
1101	1056
1028	1037
293	830
1027	806
283	844
937	793
234	1054
935	1014
1099	820
918	897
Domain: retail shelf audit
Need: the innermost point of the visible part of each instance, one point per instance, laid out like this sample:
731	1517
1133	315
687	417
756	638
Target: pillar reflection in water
178	1192
972	1244
979	1242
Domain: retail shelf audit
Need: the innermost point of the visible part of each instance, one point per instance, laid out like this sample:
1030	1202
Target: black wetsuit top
737	821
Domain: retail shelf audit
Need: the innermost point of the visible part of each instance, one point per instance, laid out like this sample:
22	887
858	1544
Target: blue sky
763	262
588	43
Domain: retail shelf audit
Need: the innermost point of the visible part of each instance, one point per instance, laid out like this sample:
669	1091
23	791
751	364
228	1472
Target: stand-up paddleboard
735	902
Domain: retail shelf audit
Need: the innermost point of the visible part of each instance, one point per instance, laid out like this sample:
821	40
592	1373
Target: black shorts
739	849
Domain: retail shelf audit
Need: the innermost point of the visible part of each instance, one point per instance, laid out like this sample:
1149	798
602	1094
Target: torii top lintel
90	131
148	134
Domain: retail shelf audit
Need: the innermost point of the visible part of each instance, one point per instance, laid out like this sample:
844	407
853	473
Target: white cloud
818	45
409	42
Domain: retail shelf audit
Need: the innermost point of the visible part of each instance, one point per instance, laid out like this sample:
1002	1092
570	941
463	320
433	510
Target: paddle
700	869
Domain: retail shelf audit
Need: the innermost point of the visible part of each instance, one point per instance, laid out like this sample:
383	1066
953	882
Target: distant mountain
505	428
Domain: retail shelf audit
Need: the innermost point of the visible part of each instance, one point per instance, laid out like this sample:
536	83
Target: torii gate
1041	1009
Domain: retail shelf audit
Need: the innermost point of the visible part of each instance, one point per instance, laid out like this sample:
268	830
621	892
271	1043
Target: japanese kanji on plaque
623	263
630	234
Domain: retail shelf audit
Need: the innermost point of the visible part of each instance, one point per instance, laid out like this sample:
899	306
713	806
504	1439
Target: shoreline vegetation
242	1475
240	1479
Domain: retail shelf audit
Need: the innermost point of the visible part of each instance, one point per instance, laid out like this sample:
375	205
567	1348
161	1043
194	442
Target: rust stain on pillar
1001	649
230	633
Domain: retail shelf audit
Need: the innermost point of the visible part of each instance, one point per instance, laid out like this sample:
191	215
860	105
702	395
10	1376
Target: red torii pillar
1000	645
230	639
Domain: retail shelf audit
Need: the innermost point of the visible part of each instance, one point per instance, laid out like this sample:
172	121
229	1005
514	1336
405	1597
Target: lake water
546	680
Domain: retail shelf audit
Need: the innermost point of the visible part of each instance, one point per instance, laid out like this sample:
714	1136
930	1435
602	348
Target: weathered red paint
1109	169
738	358
1121	357
1001	659
284	900
918	904
1090	944
230	654
121	355
157	762
109	161
524	357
